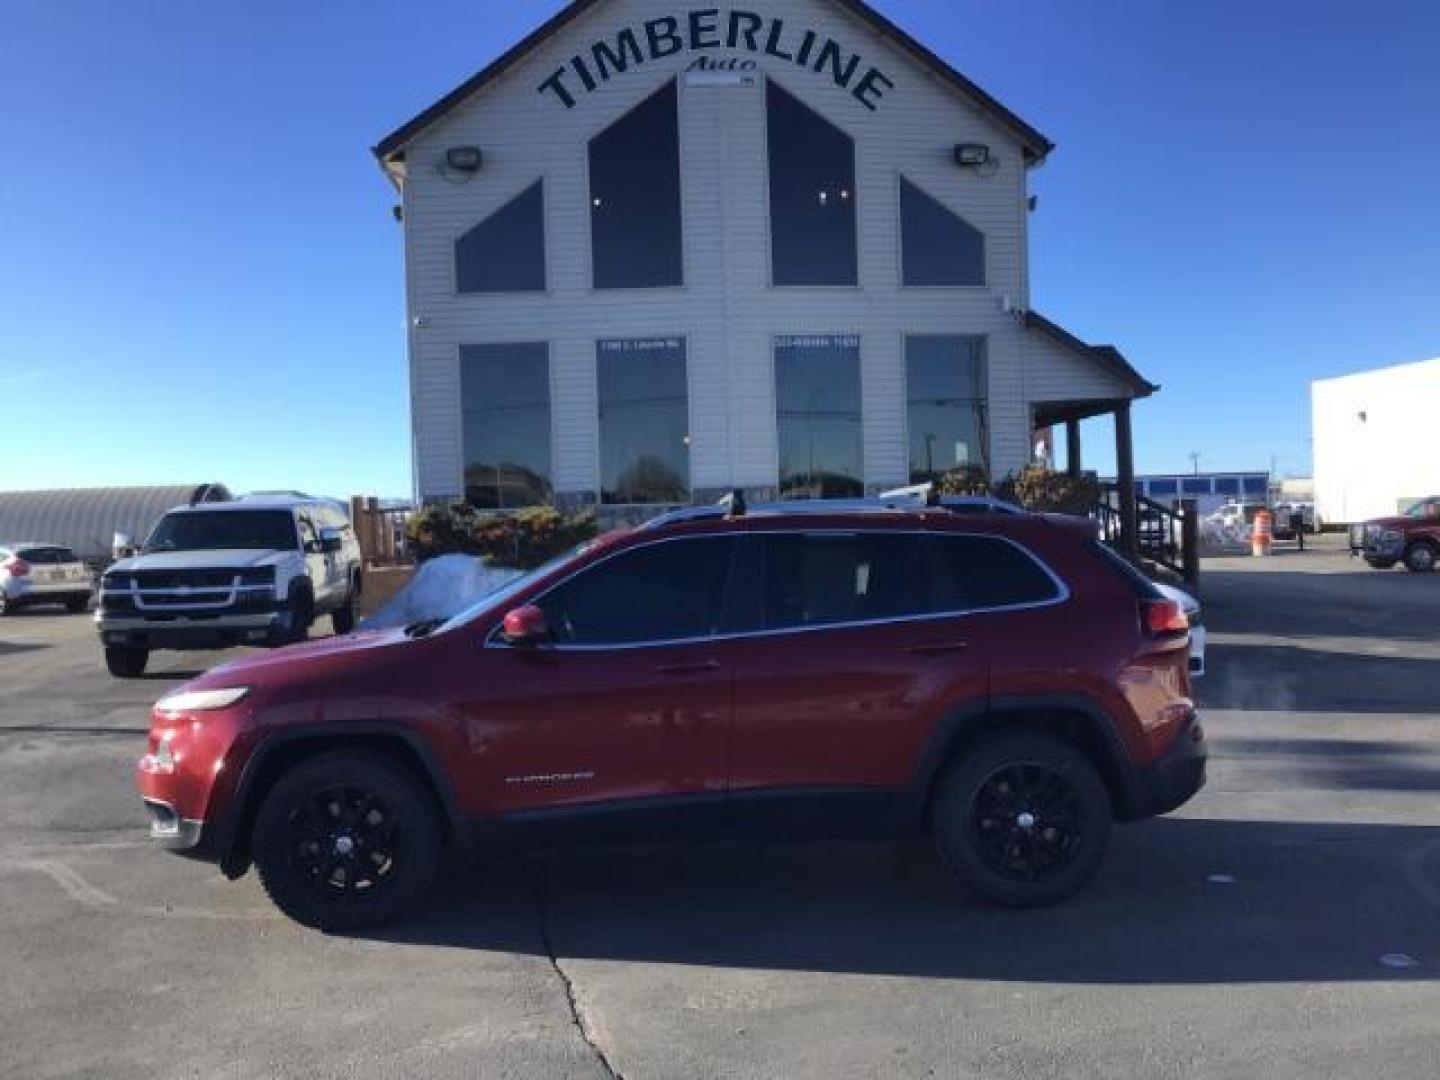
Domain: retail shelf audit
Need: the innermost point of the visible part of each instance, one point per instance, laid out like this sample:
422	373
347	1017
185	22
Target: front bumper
181	632
1171	780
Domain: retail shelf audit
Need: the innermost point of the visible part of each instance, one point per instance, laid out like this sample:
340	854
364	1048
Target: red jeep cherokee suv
1000	681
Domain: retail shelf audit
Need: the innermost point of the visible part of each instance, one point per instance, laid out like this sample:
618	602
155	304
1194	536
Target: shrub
968	480
1034	487
515	540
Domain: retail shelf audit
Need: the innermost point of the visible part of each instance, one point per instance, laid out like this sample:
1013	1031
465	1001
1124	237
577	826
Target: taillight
17	566
1163	618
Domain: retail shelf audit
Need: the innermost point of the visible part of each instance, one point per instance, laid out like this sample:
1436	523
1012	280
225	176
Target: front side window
821	579
945	405
506	251
635	229
256	530
644	421
971	573
817	394
505	414
672	591
939	247
812	195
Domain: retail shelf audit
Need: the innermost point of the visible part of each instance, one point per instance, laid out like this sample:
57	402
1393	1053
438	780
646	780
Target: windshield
1423	509
260	530
512	588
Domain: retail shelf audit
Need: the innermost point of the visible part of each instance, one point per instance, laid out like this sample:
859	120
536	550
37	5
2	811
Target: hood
215	559
312	657
1396	522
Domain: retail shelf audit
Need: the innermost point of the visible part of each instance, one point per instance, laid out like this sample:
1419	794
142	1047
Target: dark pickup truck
1412	538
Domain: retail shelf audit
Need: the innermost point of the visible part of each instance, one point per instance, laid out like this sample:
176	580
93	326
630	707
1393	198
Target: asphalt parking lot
1286	923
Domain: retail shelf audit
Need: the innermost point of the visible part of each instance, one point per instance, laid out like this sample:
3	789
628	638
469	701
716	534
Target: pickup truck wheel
1421	557
126	663
346	840
1022	819
296	615
1380	564
342	619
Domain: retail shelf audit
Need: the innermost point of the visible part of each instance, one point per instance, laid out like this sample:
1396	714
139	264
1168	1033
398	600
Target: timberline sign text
711	28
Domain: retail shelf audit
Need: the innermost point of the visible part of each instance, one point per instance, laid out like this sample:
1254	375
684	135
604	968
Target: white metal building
1372	433
656	252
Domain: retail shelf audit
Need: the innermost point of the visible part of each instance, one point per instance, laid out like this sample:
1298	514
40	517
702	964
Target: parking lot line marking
74	885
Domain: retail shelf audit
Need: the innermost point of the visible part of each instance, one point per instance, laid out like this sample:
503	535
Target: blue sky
200	278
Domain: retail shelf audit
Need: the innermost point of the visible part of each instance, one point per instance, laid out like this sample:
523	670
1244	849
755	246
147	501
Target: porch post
1072	447
1125	480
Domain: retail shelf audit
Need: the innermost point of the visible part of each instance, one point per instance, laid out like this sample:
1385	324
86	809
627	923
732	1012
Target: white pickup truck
213	575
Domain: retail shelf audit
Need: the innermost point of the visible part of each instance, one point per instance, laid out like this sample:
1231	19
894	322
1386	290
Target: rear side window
671	591
820	579
1139	584
977	572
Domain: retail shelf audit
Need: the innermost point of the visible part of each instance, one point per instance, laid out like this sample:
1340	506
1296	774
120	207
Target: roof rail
918	497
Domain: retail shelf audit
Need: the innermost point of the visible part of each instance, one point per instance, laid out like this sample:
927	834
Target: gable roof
1109	358
1036	145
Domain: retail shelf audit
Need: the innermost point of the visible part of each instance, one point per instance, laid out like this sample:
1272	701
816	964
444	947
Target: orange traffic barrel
1262	533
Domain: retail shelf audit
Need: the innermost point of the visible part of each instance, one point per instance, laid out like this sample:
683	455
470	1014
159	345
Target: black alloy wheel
344	841
1022	819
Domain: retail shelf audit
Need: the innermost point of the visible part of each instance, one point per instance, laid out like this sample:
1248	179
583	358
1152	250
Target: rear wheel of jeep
1380	564
346	840
125	662
1421	557
1022	819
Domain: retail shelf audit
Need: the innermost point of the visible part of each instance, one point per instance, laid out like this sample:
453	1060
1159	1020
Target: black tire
342	619
1380	564
1421	557
125	662
346	840
77	604
990	820
296	615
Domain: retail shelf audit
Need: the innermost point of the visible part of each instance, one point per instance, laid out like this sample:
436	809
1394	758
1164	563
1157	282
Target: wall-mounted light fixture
972	155
464	159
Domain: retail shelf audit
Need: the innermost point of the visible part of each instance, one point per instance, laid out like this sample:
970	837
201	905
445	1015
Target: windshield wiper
424	628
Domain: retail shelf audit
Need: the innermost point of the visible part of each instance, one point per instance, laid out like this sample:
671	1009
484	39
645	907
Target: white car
1191	607
33	573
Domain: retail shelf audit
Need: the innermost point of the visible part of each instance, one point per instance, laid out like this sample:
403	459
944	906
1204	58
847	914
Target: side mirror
526	627
122	546
329	540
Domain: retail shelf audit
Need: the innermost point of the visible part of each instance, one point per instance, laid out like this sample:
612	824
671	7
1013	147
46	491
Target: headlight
188	701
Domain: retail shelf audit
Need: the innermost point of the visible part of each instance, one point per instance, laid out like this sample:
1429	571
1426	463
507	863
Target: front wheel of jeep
345	841
1023	820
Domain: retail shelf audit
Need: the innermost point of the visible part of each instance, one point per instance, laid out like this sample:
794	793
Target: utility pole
1195	461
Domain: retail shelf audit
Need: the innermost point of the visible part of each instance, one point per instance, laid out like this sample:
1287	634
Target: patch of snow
441	587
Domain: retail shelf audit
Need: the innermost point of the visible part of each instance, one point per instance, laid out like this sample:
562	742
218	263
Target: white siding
1376	466
726	310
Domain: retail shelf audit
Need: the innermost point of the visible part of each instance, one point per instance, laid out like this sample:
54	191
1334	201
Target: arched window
812	195
506	251
635	197
940	247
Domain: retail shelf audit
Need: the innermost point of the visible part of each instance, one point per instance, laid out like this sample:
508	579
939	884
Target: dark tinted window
812	195
47	556
1163	487
261	530
1195	486
945	391
635	197
506	251
817	394
663	592
505	410
644	421
940	247
816	579
1256	485
973	572
1227	485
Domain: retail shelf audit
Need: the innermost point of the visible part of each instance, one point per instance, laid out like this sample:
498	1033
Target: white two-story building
659	251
